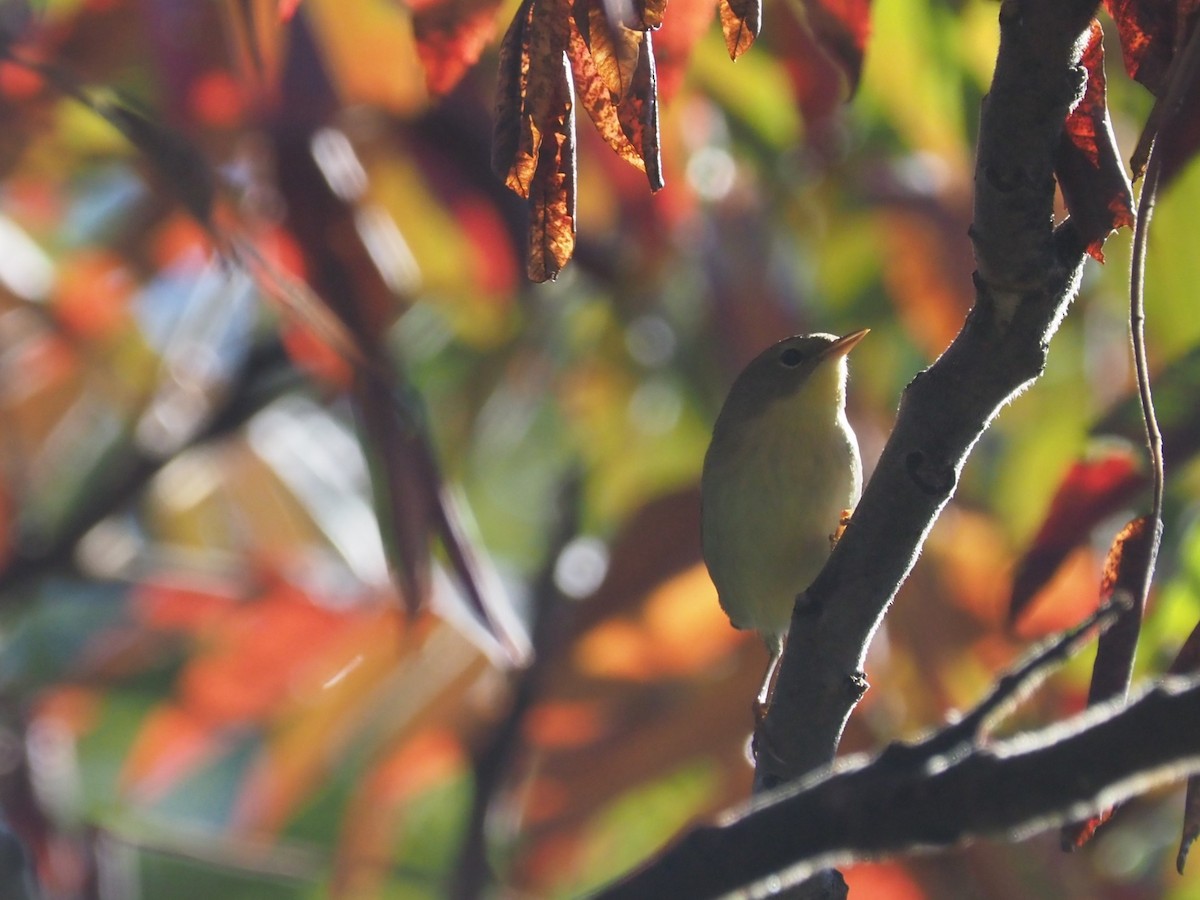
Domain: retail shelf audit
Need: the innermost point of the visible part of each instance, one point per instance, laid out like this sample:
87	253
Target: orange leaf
564	724
740	21
1126	569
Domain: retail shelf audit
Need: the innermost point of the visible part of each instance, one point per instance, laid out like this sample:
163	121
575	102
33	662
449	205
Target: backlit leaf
614	47
1125	572
1088	166
552	193
596	97
1148	32
651	12
513	150
740	22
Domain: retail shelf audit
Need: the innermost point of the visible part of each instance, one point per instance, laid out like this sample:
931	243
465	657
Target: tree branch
901	801
1027	275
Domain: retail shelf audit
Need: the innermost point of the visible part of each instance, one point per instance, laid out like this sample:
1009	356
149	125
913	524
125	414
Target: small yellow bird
781	473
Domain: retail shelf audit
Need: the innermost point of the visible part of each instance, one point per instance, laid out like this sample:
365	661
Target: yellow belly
773	495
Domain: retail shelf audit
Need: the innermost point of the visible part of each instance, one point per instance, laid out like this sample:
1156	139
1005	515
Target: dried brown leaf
593	95
650	12
638	113
615	48
552	192
514	151
740	21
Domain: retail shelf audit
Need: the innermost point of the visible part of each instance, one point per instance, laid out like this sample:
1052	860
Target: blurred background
209	685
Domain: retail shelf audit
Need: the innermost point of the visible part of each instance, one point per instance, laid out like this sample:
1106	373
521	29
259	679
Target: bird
780	478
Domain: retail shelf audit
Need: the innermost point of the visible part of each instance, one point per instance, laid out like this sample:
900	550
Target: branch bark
905	799
1027	275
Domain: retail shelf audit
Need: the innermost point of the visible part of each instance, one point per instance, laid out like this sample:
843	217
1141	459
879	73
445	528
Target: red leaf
1087	164
740	21
1148	32
841	27
1175	119
451	35
650	12
1091	490
1126	570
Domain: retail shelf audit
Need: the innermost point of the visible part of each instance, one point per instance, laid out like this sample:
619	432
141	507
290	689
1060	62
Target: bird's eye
791	357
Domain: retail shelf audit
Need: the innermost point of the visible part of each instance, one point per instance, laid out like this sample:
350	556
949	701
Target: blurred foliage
209	686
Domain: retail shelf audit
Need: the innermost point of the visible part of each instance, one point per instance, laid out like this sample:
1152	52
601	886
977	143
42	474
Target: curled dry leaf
1125	571
614	47
650	12
638	114
740	21
514	156
552	192
596	97
533	147
1087	164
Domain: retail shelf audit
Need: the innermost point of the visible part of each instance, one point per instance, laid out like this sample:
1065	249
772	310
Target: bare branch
900	802
1027	275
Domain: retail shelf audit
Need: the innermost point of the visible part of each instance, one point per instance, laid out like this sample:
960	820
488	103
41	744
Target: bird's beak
844	345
